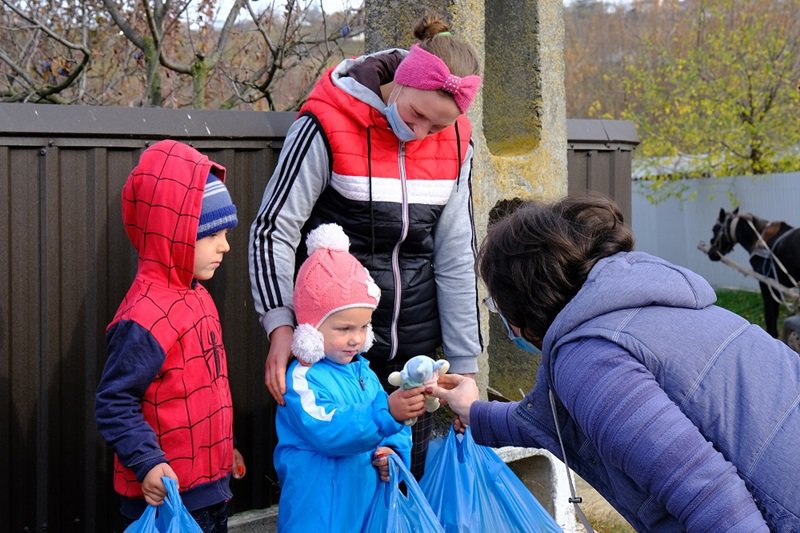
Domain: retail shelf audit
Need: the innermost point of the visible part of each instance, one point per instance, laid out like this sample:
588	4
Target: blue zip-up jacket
681	414
334	418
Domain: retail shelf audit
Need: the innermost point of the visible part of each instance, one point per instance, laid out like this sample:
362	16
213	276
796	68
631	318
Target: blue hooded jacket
334	418
684	416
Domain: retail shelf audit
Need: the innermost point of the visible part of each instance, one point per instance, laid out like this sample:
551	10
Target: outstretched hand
458	392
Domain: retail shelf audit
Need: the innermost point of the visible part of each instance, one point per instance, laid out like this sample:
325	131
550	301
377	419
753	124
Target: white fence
673	228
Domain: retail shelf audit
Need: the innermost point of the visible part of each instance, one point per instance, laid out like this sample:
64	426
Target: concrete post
519	117
519	130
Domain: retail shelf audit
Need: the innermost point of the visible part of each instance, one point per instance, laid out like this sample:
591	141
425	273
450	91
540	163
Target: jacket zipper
398	295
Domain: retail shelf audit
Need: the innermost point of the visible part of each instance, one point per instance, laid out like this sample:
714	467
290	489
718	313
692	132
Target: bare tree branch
48	92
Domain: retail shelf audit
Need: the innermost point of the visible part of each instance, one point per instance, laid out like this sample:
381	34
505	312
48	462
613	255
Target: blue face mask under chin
398	125
526	345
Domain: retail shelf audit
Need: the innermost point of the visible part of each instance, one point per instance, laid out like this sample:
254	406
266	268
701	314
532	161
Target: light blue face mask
526	345
396	122
398	125
521	342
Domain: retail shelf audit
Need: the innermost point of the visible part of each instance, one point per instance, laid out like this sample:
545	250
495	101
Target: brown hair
534	260
459	56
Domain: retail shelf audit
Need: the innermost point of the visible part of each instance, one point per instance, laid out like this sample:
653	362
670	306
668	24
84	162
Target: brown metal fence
65	264
599	158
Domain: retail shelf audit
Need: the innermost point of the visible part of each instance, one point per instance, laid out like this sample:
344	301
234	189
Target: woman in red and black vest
383	148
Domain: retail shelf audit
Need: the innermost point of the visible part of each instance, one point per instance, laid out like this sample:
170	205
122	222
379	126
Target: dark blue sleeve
134	360
635	427
493	424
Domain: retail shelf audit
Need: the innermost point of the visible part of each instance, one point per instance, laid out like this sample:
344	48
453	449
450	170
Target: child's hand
405	404
239	468
380	461
152	486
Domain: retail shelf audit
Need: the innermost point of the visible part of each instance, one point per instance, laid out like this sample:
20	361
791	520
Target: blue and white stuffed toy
420	370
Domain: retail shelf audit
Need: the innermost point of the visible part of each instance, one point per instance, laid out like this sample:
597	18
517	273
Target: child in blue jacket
338	424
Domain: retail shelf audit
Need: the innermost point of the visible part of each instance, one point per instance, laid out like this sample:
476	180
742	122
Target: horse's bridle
730	228
727	233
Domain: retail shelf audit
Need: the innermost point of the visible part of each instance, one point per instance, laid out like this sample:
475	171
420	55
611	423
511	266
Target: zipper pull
361	382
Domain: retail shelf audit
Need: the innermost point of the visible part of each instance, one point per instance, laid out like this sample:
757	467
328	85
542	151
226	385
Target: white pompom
308	344
327	236
369	340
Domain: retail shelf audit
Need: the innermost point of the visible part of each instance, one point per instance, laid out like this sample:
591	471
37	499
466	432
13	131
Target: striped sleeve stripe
474	243
263	254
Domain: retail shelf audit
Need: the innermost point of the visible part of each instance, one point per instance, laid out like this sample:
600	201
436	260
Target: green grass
746	304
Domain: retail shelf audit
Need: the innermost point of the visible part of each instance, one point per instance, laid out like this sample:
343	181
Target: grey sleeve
302	173
456	282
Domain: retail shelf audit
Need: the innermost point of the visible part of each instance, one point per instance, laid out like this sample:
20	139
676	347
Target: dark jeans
211	519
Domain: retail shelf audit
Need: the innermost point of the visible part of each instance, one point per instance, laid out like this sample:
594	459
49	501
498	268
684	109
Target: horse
774	249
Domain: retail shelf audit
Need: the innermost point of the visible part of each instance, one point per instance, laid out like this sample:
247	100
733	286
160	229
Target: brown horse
774	249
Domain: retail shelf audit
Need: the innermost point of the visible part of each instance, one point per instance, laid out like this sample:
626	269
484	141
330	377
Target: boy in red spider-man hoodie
163	402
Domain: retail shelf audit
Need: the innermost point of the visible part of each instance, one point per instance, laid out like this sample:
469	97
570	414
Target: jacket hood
629	280
161	203
340	85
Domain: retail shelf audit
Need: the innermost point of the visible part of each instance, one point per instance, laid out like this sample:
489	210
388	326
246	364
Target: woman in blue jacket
684	416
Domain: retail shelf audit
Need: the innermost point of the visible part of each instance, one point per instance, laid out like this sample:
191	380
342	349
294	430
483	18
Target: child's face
208	254
345	333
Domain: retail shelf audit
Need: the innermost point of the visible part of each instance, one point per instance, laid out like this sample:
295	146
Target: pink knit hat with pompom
330	280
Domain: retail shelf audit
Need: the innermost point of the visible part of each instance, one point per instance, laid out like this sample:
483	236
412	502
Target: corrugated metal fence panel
66	266
672	229
599	159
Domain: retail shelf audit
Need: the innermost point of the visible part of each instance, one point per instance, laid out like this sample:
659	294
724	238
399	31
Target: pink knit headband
421	69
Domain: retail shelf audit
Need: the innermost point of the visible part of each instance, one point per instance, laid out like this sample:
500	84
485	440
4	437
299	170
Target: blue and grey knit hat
218	212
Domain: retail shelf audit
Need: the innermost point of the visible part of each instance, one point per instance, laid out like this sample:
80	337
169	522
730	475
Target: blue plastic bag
391	510
169	517
472	490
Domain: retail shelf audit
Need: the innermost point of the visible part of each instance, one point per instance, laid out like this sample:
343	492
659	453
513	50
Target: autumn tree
598	39
288	51
721	88
175	53
43	54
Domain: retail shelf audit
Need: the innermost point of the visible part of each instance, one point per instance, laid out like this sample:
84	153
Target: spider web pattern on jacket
188	404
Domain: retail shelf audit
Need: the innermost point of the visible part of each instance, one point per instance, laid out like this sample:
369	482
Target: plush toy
420	370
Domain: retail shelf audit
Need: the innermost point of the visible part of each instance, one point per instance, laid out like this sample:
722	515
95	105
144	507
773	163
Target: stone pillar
519	117
520	134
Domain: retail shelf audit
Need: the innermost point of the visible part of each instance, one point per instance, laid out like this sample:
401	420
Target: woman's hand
280	351
380	461
458	392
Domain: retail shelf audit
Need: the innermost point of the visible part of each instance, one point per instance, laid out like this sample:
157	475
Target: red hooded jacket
187	405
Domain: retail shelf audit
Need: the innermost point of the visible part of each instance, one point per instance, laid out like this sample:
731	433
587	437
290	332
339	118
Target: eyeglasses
492	307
